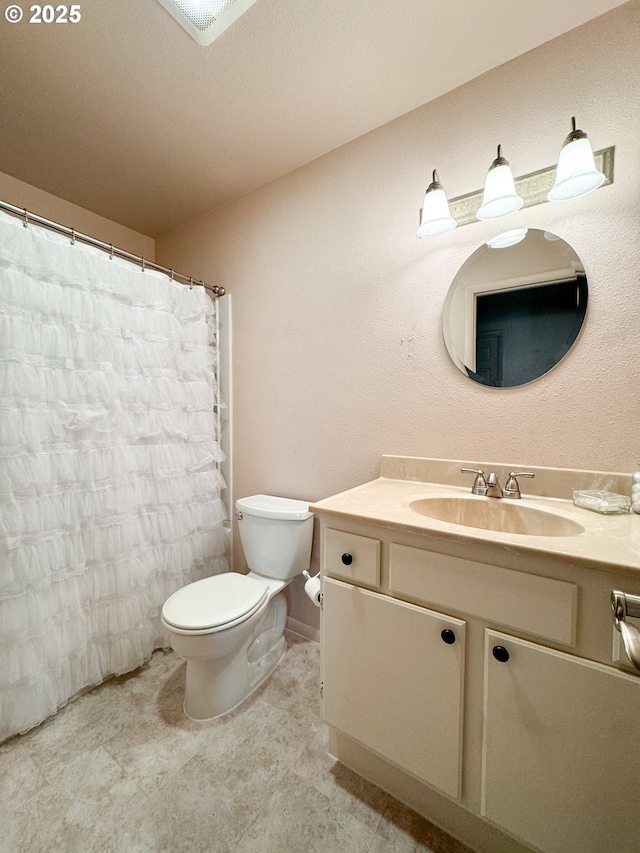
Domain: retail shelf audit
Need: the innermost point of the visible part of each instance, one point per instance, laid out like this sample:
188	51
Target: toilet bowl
230	627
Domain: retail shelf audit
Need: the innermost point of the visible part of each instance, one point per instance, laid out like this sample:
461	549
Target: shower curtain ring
110	251
25	224
143	264
171	275
73	236
190	283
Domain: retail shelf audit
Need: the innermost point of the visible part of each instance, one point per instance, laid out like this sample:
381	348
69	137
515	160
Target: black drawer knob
448	636
500	654
347	559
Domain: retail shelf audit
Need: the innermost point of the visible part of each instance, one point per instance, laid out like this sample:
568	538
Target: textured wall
338	350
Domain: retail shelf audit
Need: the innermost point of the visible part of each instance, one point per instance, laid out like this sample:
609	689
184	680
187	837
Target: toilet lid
213	602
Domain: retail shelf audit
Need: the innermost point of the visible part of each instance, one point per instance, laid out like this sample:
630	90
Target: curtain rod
28	217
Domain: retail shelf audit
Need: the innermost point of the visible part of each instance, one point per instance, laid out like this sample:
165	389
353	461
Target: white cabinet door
561	751
393	682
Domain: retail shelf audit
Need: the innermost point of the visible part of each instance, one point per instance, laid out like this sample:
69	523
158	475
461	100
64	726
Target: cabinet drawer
540	606
354	558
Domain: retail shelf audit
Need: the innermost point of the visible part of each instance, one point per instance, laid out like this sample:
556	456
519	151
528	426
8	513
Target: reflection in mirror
515	308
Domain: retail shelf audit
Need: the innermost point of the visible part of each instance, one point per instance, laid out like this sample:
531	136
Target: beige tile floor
121	770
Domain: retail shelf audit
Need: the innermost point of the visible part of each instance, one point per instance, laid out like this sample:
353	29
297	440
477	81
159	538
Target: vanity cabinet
561	749
393	680
551	738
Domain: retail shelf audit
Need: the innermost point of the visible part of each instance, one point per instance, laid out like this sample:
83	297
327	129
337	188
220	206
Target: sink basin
496	514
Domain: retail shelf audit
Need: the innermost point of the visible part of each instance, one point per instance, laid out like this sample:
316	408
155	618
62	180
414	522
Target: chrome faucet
494	489
491	488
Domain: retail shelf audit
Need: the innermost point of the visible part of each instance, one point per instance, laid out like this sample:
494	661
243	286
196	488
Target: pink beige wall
337	306
58	210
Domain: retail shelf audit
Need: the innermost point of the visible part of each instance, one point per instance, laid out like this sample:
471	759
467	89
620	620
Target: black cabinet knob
500	654
448	636
347	559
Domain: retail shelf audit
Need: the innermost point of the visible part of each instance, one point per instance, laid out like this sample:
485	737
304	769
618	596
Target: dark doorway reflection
521	334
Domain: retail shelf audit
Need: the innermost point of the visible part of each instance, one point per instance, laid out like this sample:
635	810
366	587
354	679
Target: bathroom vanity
475	672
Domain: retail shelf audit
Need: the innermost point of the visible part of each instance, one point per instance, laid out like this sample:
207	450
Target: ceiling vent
205	20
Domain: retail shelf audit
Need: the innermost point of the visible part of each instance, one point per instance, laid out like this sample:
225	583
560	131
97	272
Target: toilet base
219	686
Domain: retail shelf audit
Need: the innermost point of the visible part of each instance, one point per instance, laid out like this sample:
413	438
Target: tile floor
121	770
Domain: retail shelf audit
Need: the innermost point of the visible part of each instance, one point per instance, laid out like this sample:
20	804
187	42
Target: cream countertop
609	542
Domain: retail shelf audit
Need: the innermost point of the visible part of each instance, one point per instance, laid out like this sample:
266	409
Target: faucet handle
479	484
512	489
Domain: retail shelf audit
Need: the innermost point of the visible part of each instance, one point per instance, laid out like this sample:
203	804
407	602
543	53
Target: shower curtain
109	464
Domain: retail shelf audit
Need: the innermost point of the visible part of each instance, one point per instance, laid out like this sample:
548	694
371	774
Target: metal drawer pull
347	559
624	605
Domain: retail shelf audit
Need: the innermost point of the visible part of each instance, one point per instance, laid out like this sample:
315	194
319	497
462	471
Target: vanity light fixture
500	197
578	171
576	174
435	218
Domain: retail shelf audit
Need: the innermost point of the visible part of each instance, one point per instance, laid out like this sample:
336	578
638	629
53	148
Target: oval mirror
515	308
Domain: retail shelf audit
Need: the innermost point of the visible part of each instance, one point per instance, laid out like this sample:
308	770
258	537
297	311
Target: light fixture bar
533	187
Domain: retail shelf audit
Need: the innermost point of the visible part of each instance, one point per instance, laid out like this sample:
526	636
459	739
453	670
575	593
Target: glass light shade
507	238
436	218
500	197
576	174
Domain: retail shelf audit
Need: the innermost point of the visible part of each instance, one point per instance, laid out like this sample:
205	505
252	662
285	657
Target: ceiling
124	114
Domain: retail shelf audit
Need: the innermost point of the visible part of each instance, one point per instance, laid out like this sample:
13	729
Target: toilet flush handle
238	515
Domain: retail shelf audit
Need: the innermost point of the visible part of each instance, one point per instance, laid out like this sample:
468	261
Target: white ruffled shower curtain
109	464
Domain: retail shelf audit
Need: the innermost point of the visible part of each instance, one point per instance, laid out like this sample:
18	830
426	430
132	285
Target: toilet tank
276	535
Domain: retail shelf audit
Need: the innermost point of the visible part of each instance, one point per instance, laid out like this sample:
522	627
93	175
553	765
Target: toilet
230	627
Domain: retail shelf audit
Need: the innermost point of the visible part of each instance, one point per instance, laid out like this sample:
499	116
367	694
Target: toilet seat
215	603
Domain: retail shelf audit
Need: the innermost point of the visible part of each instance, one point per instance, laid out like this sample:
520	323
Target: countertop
609	542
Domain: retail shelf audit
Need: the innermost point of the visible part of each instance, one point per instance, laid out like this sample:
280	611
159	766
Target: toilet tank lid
268	506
